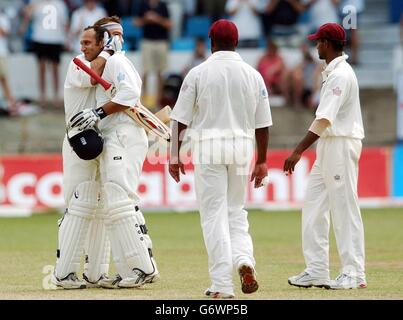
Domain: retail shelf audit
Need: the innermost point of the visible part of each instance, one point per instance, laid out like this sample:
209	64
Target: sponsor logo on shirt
264	93
337	92
117	158
337	177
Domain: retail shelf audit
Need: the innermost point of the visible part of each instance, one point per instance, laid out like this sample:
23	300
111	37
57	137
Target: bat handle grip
105	84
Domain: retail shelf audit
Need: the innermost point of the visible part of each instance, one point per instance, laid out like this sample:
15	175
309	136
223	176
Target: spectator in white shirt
4	31
245	16
49	29
83	17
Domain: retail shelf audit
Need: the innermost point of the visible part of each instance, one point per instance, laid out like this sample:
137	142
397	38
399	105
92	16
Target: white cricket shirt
223	97
5	26
48	21
122	74
79	94
340	101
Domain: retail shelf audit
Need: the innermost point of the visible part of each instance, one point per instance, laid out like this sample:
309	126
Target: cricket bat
138	113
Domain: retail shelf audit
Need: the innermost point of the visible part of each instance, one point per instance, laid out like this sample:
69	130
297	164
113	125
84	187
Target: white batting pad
142	222
124	232
98	248
74	227
147	238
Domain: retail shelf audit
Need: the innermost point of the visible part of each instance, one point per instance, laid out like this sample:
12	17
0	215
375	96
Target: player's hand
114	43
85	119
259	172
175	168
290	163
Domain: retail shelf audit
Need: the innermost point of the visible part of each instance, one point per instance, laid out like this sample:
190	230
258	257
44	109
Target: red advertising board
35	181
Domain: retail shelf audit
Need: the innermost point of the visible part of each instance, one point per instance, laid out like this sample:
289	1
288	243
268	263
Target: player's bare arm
306	142
316	129
262	142
175	165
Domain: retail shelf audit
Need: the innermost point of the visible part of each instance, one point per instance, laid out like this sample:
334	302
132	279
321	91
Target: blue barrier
395	10
397	179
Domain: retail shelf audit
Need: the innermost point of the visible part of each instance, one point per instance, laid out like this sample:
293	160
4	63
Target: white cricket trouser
332	192
121	161
221	194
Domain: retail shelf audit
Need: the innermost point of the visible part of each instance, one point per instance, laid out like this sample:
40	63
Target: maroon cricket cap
329	31
224	31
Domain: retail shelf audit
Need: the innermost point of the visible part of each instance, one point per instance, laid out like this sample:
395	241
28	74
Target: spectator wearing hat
224	102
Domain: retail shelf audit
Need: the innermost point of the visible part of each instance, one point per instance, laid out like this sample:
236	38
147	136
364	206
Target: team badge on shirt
121	76
184	87
337	92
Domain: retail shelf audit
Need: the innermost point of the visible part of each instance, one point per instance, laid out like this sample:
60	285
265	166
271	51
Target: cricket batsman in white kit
332	186
224	102
110	174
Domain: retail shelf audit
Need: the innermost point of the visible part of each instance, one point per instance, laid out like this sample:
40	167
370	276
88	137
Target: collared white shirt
223	97
122	74
79	94
340	101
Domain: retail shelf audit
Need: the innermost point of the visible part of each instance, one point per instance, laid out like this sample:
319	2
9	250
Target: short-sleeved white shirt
223	97
82	18
5	26
79	94
245	19
49	20
122	74
340	101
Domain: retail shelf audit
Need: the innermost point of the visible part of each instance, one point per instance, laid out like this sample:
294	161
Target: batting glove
87	118
114	43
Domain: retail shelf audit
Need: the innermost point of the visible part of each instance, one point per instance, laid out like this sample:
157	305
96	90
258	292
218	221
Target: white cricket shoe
110	282
218	295
344	281
136	280
71	281
305	280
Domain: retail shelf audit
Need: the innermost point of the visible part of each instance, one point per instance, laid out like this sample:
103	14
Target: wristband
104	54
100	112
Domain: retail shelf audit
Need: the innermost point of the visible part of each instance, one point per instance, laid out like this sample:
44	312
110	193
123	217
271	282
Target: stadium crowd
158	26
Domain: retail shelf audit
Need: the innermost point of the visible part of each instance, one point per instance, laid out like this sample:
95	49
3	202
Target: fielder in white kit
112	177
332	185
225	103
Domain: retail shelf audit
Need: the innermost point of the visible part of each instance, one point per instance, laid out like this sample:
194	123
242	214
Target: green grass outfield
27	245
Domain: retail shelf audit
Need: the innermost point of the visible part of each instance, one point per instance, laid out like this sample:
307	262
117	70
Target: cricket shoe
136	280
110	282
344	281
248	278
96	284
71	281
218	295
305	280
